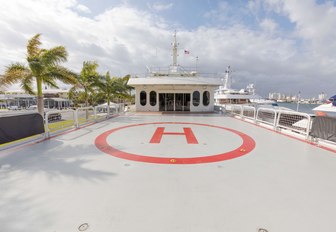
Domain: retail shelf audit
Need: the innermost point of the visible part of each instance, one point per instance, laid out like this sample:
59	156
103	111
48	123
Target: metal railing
237	109
267	116
60	123
85	115
249	112
293	121
60	120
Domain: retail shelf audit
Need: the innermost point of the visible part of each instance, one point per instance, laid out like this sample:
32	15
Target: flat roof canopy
174	81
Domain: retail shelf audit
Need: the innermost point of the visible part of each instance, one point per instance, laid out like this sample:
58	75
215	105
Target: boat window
206	98
196	98
143	98
152	98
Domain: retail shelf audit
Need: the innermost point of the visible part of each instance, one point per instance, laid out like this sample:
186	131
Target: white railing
249	112
267	116
85	115
237	109
60	120
293	121
55	121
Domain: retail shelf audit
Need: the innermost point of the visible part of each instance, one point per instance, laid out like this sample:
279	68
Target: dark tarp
20	126
324	128
333	98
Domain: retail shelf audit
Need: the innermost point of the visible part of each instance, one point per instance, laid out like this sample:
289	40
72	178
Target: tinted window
206	98
143	98
196	98
152	98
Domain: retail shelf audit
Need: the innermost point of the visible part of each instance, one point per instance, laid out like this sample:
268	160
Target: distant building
276	96
53	98
322	97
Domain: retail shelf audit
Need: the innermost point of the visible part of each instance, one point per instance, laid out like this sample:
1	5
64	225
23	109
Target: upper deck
168	173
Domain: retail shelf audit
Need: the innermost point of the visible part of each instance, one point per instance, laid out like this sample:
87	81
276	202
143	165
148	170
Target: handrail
71	122
295	121
47	130
263	116
246	112
237	109
86	114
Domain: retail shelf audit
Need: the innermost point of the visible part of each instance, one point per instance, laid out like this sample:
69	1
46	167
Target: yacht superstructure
227	95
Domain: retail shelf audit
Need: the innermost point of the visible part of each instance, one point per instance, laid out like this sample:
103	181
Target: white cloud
219	14
315	26
268	25
83	9
124	40
159	6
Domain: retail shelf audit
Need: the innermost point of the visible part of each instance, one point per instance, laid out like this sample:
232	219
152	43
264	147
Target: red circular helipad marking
247	146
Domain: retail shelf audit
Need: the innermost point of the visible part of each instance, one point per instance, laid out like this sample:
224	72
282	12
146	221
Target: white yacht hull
325	110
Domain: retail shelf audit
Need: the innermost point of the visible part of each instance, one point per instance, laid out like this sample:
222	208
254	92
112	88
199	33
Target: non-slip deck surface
126	174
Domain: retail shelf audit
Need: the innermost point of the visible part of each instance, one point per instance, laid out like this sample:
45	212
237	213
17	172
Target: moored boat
328	109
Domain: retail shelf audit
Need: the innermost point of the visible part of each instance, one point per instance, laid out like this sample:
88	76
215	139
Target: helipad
168	173
183	143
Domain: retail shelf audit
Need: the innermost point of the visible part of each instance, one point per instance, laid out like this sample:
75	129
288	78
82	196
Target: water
304	108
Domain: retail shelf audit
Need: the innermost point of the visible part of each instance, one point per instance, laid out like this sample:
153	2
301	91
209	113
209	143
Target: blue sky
280	45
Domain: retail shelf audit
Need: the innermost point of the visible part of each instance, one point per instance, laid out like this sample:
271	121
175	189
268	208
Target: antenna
175	44
227	79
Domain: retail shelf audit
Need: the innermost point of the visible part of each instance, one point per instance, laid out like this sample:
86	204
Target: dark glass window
143	98
206	98
152	98
196	98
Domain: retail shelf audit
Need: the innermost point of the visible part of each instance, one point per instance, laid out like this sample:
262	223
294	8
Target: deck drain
262	230
83	227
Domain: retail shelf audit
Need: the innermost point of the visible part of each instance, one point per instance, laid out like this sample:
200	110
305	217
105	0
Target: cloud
159	6
124	40
268	25
83	9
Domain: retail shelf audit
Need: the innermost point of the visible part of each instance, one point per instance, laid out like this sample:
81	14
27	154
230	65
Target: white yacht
328	109
227	95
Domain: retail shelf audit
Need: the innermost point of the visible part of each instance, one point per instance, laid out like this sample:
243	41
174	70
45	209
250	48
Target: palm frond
33	46
60	73
54	56
27	85
14	73
50	83
89	69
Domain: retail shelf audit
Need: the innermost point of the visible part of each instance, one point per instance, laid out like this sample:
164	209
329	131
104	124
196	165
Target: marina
107	143
184	159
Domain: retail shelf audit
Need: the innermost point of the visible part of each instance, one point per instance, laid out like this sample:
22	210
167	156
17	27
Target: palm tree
43	68
112	87
128	88
86	80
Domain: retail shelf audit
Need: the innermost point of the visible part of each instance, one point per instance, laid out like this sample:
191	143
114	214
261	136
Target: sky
286	46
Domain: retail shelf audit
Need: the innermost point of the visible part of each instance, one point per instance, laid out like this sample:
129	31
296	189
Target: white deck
281	185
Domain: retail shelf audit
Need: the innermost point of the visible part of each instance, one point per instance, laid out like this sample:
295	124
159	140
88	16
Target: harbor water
304	108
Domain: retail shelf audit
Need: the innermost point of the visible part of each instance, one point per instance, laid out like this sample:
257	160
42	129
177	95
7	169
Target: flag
186	52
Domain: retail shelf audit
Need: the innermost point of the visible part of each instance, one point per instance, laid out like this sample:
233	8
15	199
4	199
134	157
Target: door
179	102
170	102
174	101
